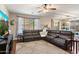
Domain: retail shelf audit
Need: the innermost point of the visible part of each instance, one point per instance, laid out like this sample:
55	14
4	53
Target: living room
41	28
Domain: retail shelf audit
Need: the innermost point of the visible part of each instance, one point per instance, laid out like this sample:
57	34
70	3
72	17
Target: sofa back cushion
53	32
67	34
62	34
31	32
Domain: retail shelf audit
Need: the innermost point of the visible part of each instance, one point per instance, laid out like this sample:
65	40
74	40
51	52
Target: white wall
3	9
45	21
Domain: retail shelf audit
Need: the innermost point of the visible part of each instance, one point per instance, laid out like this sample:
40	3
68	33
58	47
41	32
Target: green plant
3	27
12	22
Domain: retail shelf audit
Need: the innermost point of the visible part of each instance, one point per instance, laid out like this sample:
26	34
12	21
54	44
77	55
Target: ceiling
62	10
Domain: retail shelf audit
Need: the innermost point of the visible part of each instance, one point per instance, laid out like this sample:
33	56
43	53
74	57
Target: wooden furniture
13	46
75	44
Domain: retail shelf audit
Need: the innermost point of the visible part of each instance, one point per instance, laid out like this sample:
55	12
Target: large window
28	24
32	24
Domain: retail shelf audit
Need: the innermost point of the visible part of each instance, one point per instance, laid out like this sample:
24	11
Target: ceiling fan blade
52	8
46	8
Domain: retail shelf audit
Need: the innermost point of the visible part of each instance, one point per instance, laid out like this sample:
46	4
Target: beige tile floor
38	47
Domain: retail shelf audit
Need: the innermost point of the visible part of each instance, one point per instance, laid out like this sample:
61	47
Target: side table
75	44
75	48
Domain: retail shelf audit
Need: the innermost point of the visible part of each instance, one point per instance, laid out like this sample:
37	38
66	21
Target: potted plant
3	27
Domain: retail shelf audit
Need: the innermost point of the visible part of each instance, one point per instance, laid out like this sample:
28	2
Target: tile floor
38	47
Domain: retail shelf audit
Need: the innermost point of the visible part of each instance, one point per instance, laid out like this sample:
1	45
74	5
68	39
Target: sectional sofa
62	39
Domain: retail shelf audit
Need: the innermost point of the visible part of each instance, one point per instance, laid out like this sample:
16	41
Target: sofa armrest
64	37
68	44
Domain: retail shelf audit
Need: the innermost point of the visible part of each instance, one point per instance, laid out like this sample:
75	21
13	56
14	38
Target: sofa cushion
33	36
50	37
27	34
66	32
59	41
64	37
35	33
53	31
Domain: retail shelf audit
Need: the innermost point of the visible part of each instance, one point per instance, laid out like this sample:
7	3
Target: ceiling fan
46	8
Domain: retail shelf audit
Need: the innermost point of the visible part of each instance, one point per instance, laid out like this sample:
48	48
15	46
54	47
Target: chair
43	33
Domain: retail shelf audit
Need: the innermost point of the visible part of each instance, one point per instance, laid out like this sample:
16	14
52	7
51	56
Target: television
3	23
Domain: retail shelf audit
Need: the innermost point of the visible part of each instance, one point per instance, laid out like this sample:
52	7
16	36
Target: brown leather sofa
31	35
59	38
